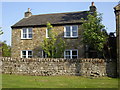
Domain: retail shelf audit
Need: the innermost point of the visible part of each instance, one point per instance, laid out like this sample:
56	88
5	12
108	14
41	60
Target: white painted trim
77	31
43	54
71	36
75	50
21	33
71	31
64	31
47	33
71	53
26	53
27	33
21	54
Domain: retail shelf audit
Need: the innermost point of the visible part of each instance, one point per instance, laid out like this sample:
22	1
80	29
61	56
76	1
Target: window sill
26	38
71	37
47	37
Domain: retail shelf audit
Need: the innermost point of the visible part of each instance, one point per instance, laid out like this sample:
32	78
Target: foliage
93	34
53	46
1	32
6	49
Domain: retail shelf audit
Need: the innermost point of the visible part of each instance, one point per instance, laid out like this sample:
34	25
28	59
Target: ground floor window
71	54
26	54
44	55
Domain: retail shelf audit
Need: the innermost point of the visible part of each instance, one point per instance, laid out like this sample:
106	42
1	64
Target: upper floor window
26	33
48	31
26	54
71	31
71	54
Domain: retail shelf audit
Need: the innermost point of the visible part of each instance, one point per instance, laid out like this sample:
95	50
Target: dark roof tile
58	18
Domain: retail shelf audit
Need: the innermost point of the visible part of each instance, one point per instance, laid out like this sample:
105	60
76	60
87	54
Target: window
71	54
71	31
26	54
48	31
26	33
44	55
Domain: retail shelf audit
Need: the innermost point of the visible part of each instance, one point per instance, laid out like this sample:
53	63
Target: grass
19	81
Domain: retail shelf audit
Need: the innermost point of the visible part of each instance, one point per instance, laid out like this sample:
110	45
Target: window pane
29	52
30	30
74	27
74	30
49	32
44	55
74	33
67	28
30	36
67	52
24	30
74	52
73	57
24	35
23	52
67	57
29	56
67	33
23	56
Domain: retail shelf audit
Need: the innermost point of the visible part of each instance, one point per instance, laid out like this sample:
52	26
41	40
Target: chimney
92	7
28	13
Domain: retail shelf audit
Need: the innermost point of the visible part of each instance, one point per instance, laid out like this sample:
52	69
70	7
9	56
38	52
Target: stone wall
47	66
39	33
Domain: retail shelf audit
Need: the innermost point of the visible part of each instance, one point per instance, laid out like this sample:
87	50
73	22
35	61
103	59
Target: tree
6	49
93	36
53	46
1	32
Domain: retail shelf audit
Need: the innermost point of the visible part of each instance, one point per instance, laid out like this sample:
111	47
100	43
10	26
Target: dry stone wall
59	66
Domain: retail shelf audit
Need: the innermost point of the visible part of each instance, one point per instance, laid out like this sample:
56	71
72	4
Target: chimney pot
28	9
28	13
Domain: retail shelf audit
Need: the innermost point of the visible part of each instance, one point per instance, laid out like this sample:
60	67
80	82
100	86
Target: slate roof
54	19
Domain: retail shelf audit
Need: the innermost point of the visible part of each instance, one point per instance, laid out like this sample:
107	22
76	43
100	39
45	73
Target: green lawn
19	81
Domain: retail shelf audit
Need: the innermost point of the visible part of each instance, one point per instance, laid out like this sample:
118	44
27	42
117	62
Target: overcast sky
12	12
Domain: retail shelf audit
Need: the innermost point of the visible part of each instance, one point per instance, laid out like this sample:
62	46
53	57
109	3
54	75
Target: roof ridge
59	13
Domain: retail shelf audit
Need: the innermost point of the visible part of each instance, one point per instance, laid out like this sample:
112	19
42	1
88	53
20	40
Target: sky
12	12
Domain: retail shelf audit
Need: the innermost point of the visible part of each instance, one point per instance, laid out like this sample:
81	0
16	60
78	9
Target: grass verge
20	81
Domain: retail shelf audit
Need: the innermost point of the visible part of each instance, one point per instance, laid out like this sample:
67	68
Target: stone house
29	32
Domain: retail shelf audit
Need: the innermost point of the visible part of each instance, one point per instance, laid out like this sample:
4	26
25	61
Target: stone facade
38	23
39	33
58	66
117	14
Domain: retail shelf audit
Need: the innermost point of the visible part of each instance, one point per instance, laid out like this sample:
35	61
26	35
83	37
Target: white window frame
70	53
71	34
26	53
47	33
43	54
27	33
